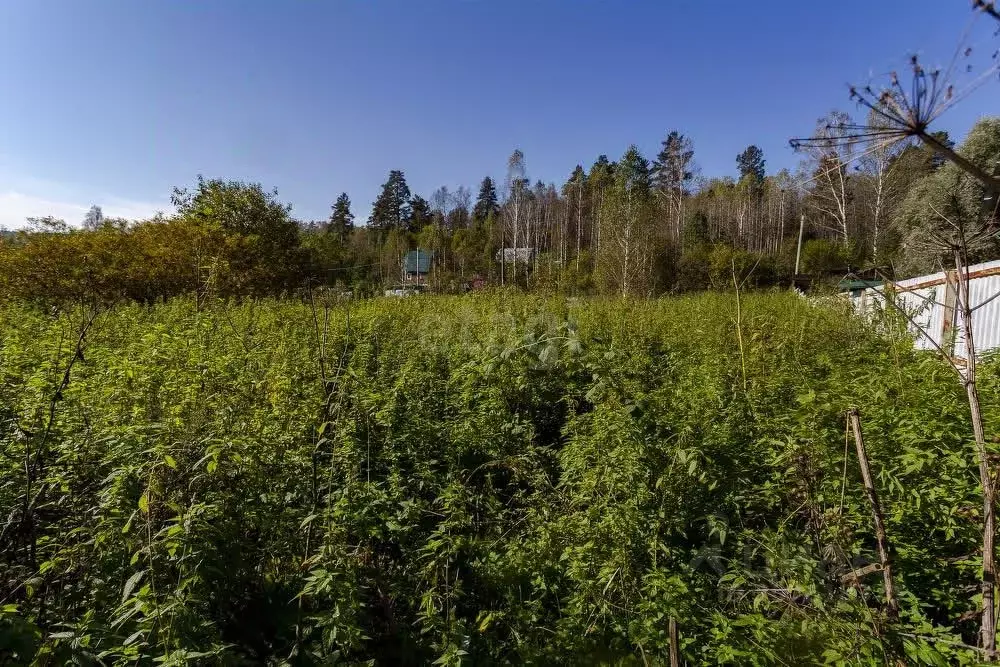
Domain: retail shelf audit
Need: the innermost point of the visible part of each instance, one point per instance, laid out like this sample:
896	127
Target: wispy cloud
15	207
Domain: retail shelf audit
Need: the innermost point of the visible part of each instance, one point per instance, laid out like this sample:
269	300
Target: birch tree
515	208
830	156
880	185
625	259
672	172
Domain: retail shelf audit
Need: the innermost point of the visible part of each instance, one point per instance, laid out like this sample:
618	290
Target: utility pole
798	251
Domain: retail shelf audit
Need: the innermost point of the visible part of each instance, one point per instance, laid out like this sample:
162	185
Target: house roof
856	284
508	255
418	261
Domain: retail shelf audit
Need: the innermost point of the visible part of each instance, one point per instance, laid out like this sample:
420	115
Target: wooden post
675	652
892	604
798	248
988	583
950	301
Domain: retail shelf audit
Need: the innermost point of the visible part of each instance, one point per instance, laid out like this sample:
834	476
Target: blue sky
114	102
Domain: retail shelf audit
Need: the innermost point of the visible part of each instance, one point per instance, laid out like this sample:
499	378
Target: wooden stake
988	583
798	249
892	604
675	652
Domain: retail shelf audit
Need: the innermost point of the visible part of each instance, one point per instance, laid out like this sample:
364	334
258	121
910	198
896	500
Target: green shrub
486	479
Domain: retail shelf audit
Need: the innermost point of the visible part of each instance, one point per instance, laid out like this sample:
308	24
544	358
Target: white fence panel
935	318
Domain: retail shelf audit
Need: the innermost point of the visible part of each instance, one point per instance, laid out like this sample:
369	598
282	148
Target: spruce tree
420	213
486	203
341	220
600	173
392	208
633	172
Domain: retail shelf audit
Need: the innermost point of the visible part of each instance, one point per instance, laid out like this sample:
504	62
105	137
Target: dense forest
631	226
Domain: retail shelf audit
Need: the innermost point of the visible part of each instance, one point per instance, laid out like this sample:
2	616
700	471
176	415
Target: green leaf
131	583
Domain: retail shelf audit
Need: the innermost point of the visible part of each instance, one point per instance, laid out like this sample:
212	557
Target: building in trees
515	255
417	266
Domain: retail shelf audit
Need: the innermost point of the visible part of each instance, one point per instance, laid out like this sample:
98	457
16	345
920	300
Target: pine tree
341	220
486	203
392	208
751	163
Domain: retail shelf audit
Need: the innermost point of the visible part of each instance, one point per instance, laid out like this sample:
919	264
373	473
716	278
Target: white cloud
15	207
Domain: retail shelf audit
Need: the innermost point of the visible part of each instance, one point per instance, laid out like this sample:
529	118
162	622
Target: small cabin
417	266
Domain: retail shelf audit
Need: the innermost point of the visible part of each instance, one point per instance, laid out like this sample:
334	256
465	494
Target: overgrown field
485	480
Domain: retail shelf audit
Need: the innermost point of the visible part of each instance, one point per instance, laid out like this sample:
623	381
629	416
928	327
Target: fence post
675	653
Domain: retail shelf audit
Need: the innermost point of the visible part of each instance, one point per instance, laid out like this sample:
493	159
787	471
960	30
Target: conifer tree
751	163
392	208
420	213
486	202
341	220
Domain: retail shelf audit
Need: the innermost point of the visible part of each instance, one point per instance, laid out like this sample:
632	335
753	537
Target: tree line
629	226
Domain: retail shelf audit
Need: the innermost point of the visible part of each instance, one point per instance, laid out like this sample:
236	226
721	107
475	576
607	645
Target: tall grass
485	480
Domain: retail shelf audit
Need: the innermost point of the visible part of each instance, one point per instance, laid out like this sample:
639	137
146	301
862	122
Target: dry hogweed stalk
905	110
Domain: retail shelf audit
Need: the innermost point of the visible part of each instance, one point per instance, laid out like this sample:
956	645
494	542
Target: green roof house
417	266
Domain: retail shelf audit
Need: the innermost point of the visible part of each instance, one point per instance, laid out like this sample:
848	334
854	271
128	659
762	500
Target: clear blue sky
116	101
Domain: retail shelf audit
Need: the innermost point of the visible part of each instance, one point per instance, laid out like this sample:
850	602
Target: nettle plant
479	480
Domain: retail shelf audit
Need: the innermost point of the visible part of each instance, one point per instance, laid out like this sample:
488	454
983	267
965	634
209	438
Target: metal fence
930	304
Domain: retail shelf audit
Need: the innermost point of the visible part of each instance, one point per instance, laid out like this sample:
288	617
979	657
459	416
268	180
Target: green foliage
341	222
695	231
673	168
751	164
486	203
947	198
420	214
749	269
239	209
693	268
823	256
391	209
476	480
